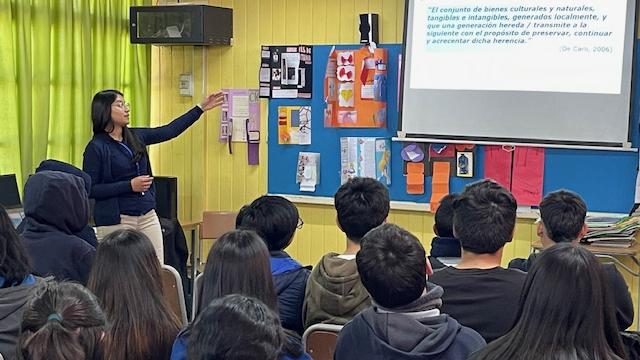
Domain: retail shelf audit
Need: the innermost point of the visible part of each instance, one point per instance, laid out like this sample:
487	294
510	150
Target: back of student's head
126	279
236	327
484	217
274	218
61	321
361	204
238	263
444	216
14	262
550	325
392	265
563	214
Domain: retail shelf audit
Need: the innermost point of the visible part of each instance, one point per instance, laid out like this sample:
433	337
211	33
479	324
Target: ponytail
61	321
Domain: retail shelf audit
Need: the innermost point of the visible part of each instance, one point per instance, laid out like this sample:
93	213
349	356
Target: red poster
497	164
528	174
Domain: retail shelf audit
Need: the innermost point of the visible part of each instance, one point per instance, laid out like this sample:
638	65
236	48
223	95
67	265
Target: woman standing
117	161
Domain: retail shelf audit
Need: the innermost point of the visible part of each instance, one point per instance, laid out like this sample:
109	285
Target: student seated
478	292
17	284
236	327
56	208
444	245
238	263
126	279
563	215
549	324
276	219
62	321
87	233
334	292
405	321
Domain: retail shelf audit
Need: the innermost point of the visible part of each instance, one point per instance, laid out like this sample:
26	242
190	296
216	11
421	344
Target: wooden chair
173	292
319	340
215	224
197	290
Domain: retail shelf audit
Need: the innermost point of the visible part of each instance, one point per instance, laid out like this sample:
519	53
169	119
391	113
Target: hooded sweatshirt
290	279
415	331
56	207
334	293
87	233
13	301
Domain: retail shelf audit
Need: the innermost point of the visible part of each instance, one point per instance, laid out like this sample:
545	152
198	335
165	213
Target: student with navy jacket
117	161
276	219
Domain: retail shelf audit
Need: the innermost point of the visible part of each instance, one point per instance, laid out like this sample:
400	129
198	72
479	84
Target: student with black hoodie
334	293
87	233
17	284
444	244
276	219
405	321
56	207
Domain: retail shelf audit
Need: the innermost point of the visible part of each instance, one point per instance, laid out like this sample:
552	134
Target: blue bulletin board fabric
605	179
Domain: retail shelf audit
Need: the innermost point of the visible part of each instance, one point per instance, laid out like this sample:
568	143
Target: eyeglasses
122	105
300	223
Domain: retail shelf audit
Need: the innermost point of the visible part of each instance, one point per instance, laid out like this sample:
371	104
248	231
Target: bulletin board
605	179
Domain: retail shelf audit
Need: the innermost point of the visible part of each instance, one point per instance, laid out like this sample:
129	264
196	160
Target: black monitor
9	195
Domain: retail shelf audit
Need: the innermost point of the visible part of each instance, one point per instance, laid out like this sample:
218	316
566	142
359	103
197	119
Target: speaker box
166	196
368	28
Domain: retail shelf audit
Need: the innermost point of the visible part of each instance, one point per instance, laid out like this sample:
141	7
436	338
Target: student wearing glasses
118	163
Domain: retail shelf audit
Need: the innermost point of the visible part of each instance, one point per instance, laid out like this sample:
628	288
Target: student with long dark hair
117	161
238	263
236	327
552	327
16	283
126	279
62	321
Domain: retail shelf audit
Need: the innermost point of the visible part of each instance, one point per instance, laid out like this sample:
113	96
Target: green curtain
54	56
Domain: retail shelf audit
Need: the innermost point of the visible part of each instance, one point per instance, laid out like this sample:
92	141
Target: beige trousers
147	224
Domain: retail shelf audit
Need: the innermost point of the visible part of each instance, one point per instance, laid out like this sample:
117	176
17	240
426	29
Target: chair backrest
173	292
216	223
319	340
197	290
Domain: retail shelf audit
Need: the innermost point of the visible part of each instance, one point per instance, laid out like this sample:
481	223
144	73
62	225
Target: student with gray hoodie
405	321
334	293
17	284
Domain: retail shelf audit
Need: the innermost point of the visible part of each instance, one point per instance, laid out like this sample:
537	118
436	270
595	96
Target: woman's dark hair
552	326
61	321
274	218
126	279
236	327
102	123
14	263
238	263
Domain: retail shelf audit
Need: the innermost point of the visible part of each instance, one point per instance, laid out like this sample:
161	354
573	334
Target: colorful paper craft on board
355	88
294	125
240	120
308	172
439	183
286	71
365	157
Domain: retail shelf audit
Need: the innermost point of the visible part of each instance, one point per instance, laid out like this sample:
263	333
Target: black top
617	286
485	300
111	167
